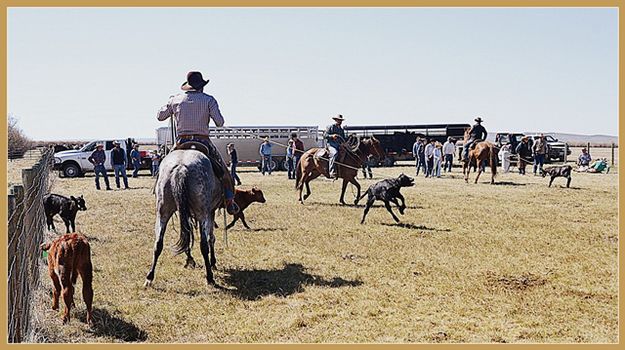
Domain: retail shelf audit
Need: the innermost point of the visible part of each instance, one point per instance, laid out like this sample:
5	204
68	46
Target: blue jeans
100	170
449	158
539	160
154	169
334	152
420	163
290	164
266	164
437	167
120	170
136	166
465	149
233	173
429	167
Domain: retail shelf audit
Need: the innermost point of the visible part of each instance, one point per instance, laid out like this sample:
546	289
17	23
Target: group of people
431	156
119	163
528	151
294	151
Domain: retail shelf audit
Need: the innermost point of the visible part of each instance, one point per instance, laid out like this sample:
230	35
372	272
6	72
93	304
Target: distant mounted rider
477	132
334	136
192	112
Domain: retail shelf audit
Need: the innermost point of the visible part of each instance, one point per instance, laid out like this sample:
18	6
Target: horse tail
181	196
298	172
493	160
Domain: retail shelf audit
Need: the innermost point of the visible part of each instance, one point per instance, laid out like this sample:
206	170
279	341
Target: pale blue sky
104	72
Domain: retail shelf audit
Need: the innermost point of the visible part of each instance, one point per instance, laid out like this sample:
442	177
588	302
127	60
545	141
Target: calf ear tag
44	254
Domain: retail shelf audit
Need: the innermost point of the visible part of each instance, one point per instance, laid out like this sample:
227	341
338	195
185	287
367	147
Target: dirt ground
514	262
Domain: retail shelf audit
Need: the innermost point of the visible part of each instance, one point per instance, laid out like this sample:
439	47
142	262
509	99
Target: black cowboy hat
478	119
338	117
195	81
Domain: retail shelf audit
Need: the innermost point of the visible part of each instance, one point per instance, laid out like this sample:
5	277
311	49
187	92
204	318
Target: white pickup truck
73	163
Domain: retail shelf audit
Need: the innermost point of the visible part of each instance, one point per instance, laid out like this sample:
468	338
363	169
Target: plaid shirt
192	111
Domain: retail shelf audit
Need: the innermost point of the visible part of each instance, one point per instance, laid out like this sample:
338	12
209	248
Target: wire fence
26	227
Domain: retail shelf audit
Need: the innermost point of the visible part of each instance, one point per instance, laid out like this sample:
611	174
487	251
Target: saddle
475	142
200	147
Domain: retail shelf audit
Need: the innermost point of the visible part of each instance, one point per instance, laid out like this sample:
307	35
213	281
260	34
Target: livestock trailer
397	140
247	140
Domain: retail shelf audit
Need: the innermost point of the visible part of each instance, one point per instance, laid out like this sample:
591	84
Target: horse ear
72	198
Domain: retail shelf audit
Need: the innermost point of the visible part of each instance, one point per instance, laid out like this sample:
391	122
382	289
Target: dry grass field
516	262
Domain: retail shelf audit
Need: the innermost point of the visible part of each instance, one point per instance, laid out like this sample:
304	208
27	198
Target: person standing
265	154
156	161
97	158
429	158
334	136
540	151
289	160
504	154
234	161
437	155
524	152
298	149
418	151
448	152
366	167
118	161
135	156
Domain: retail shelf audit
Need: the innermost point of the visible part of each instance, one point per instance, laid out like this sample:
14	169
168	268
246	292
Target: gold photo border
292	3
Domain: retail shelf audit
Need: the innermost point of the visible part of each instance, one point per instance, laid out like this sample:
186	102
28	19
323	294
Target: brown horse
314	163
480	152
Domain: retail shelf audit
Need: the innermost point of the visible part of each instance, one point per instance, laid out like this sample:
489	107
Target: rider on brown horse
334	136
477	132
192	112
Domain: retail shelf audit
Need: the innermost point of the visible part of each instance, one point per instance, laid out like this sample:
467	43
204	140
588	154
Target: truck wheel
389	161
273	165
71	170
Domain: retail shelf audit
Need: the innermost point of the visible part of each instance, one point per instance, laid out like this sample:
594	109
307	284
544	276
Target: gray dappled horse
186	183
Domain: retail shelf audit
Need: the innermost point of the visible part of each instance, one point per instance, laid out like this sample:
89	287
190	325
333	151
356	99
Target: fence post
566	152
612	153
588	147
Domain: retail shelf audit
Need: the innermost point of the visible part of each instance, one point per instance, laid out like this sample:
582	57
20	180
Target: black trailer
397	140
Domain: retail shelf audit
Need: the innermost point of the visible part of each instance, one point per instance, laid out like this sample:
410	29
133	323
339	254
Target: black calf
558	171
68	207
387	191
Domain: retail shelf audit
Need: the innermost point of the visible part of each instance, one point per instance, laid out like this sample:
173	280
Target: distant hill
577	138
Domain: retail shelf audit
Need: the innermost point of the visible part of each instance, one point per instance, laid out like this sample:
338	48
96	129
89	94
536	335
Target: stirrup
232	207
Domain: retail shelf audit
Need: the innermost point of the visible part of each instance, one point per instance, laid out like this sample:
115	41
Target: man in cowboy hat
334	136
97	158
192	111
477	132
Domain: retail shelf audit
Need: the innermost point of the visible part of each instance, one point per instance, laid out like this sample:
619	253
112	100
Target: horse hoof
147	284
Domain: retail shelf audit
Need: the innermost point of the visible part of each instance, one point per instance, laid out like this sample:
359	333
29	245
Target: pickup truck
73	163
557	151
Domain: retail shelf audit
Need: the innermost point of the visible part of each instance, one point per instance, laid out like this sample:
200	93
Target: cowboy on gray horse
334	136
477	132
192	111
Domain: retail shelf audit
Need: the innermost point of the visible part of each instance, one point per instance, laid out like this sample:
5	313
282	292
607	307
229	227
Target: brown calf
70	256
244	198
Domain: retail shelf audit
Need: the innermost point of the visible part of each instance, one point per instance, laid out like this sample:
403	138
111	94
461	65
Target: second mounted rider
476	133
192	112
334	136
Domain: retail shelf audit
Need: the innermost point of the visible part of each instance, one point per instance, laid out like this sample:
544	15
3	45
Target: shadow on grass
508	183
416	227
292	278
364	200
107	325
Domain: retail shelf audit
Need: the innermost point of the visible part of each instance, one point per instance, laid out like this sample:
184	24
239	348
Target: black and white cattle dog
387	191
68	207
558	171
